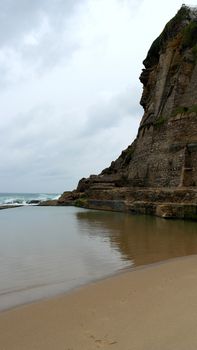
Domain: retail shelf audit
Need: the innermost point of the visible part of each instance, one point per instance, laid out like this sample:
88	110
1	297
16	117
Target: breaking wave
25	198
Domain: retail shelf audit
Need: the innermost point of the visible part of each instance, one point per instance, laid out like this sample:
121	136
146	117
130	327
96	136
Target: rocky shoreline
9	206
165	203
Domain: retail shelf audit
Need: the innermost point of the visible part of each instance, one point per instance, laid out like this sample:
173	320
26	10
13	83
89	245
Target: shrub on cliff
190	35
81	202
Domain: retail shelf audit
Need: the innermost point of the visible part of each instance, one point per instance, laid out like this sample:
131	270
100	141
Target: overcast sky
69	88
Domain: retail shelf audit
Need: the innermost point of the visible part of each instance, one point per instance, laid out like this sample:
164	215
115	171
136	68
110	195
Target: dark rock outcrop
157	173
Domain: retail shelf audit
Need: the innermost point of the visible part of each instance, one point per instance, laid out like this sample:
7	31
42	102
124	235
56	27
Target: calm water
45	251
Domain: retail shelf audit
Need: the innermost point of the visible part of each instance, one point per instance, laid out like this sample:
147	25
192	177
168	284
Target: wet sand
151	308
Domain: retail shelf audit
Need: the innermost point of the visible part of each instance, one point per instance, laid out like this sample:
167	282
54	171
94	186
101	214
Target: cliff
157	173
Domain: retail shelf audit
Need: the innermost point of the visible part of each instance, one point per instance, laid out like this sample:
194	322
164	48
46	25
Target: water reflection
141	239
45	251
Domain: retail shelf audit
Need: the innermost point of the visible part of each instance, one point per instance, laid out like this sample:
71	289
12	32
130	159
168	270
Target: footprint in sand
100	343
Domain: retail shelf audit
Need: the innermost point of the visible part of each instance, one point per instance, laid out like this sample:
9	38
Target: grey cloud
19	17
110	113
40	151
34	36
44	148
34	145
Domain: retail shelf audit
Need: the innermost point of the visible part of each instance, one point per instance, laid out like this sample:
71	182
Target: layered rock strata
157	173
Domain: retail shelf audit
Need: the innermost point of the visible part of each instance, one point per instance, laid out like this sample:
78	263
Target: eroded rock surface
157	173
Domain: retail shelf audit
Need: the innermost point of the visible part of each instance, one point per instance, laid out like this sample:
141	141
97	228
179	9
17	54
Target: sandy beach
154	307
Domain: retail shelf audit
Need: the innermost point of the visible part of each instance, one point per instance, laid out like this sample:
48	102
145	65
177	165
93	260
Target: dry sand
153	308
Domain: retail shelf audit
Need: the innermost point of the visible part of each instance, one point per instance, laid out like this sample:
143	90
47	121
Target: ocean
25	198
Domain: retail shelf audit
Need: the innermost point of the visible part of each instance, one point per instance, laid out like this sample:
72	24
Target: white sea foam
25	198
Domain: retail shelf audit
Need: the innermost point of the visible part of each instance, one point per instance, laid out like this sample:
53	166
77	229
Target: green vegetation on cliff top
182	20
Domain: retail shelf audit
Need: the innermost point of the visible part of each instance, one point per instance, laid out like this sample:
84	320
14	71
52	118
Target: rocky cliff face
157	173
